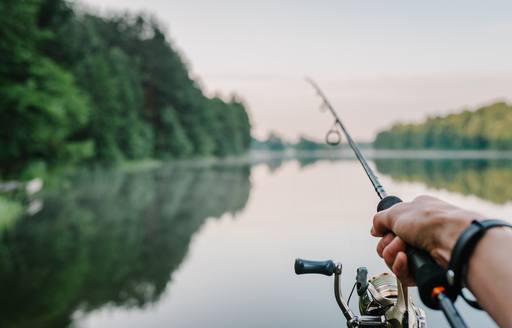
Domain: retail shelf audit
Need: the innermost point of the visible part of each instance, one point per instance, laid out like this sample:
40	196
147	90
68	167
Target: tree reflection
109	237
487	179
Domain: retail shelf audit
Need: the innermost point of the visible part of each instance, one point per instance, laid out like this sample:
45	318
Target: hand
427	223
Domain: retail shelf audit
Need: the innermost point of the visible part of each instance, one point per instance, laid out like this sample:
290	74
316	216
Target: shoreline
255	157
370	153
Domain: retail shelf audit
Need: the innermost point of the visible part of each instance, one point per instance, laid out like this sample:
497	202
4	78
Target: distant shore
255	157
369	153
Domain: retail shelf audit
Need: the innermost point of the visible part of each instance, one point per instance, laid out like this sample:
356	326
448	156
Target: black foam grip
317	267
387	202
426	272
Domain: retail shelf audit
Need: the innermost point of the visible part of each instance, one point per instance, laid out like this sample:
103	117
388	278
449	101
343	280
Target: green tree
77	86
40	106
485	128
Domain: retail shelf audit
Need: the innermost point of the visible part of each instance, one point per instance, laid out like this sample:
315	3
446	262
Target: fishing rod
369	172
382	303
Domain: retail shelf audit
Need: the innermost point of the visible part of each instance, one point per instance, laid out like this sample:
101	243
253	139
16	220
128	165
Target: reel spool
380	295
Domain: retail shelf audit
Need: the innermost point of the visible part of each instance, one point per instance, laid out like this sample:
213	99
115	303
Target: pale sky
379	61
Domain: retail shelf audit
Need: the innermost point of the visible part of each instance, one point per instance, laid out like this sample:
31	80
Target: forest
77	87
485	128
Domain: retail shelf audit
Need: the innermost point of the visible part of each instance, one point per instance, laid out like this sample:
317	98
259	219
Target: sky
380	62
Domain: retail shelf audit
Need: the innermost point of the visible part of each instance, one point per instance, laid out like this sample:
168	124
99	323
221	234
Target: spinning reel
383	302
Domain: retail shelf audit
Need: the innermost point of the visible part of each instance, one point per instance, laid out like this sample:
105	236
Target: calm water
213	246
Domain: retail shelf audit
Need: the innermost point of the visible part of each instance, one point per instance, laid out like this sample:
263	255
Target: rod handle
426	272
326	268
428	276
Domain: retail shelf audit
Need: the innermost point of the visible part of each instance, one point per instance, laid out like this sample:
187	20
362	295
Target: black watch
462	251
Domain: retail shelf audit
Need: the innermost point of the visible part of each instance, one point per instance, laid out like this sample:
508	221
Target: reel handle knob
326	268
426	272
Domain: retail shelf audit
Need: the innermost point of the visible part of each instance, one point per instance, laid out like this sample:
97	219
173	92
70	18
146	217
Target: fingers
383	221
381	224
391	251
383	242
396	259
401	270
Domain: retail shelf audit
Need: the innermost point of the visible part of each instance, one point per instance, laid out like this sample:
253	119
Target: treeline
76	86
274	142
488	127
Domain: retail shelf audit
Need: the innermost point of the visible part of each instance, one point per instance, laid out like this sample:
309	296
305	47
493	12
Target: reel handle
326	268
426	272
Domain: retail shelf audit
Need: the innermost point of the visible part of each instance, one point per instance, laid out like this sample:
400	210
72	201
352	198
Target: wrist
492	239
464	252
488	267
449	229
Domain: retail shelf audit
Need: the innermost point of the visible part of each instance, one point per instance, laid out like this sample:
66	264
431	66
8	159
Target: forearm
489	274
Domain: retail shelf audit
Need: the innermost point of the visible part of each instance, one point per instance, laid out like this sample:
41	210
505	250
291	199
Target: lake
213	245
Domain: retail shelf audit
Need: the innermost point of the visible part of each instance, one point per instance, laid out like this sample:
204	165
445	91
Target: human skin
434	225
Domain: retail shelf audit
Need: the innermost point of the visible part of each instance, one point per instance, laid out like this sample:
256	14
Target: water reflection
484	178
107	237
115	249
